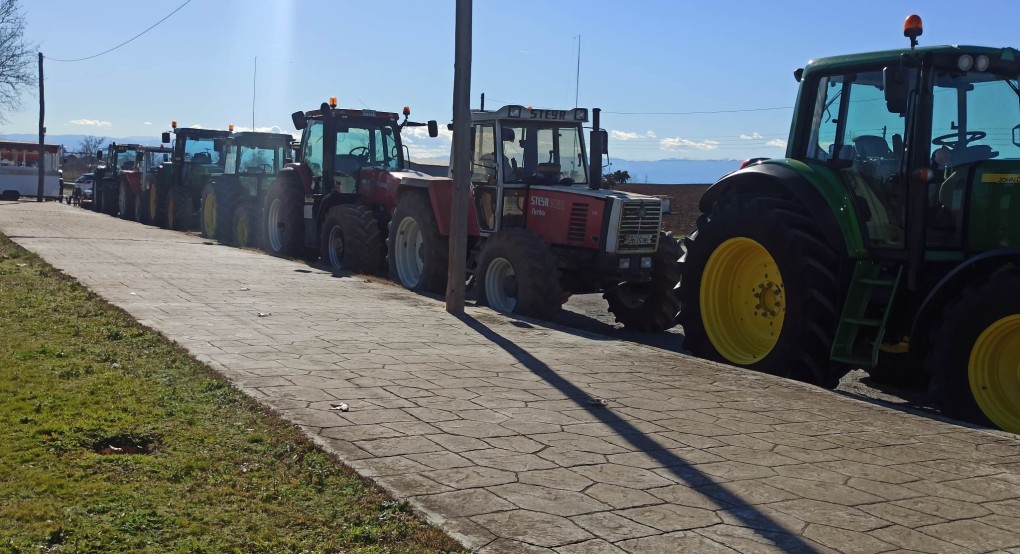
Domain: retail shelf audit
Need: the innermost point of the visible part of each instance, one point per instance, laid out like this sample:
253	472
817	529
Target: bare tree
17	70
89	145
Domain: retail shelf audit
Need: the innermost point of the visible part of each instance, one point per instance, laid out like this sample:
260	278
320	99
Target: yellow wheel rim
743	301
994	371
242	231
209	215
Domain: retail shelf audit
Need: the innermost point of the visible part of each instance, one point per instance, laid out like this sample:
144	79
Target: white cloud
680	143
421	145
196	126
752	136
629	135
146	123
90	122
777	143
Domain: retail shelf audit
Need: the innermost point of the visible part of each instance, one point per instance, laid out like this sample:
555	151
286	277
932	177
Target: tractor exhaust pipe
595	149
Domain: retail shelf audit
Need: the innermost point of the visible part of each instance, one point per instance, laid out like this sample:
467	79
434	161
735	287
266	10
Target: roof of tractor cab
347	114
523	113
201	133
257	138
1008	55
124	147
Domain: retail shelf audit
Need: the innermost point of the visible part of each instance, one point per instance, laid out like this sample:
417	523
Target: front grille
578	222
639	225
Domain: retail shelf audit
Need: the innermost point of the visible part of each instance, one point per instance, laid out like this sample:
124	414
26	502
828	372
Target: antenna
253	75
577	78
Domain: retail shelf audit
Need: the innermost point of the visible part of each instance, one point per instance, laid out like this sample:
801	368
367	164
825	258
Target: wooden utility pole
461	167
42	135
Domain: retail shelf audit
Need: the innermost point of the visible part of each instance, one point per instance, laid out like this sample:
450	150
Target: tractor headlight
965	62
646	262
624	263
581	114
981	63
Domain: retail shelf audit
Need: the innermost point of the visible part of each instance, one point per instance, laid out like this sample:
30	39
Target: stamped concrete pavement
518	437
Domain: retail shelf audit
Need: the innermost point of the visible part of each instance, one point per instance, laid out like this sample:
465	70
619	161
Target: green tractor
232	201
109	184
887	239
176	192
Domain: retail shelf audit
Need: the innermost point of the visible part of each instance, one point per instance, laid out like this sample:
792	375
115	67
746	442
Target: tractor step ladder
856	323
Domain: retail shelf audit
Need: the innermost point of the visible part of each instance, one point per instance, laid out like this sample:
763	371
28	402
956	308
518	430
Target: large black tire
799	307
972	381
517	274
142	207
352	240
246	227
228	197
179	210
417	266
125	201
157	205
108	200
284	220
651	306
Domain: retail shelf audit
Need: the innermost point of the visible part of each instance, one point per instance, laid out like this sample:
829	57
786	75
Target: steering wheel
359	151
265	168
968	137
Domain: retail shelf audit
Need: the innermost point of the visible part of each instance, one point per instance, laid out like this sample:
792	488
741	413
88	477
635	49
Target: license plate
638	240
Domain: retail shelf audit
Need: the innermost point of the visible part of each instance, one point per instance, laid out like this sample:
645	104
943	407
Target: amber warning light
332	101
912	28
407	111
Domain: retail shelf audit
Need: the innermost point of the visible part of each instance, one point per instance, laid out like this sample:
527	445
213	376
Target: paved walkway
496	429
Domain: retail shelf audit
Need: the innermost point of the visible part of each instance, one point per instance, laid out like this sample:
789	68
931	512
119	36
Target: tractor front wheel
207	221
142	207
125	201
976	352
228	197
651	306
108	200
245	225
284	233
178	210
759	287
418	254
157	205
352	240
517	274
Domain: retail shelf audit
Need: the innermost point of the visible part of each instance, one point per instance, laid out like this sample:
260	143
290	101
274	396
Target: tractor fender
133	180
835	215
298	173
951	285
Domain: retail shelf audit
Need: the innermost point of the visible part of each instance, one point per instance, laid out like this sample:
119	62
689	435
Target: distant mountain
72	143
675	171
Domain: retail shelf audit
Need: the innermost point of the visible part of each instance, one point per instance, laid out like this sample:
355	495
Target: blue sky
637	56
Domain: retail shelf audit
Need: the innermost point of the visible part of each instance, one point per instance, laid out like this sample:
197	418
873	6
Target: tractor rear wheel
418	254
142	207
758	289
108	200
246	225
284	232
517	274
157	205
208	212
351	240
178	210
651	306
976	352
125	201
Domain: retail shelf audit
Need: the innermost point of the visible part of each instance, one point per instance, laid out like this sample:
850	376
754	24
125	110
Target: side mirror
99	154
166	138
433	128
299	120
896	82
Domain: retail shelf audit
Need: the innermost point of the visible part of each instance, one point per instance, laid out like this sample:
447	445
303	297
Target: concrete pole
461	168
42	134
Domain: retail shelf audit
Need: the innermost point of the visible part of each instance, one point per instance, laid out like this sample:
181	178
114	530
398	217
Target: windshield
976	116
126	159
367	146
553	152
201	150
254	159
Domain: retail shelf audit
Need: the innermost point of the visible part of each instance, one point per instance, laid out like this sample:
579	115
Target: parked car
85	181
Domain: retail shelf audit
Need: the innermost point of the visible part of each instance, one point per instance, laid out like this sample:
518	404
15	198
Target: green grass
112	439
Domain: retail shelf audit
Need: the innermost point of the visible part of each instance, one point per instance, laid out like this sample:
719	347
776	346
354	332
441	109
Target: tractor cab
256	158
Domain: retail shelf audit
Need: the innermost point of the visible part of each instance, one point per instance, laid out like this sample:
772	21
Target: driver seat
872	146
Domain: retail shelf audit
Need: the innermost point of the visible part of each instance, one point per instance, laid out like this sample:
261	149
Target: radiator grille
639	225
578	222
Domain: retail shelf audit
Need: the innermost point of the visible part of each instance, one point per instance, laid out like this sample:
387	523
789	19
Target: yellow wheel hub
209	215
743	301
994	371
242	231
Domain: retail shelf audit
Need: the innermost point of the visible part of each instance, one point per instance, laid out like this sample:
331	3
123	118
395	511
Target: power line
702	112
126	41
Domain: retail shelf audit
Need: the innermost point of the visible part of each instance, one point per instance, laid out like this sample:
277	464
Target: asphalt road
589	312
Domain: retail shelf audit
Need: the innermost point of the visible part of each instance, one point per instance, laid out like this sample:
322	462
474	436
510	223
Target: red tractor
540	226
338	196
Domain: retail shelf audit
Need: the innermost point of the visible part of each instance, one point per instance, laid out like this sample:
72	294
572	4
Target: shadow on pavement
749	515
